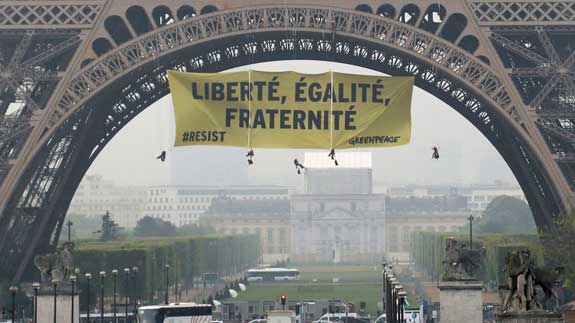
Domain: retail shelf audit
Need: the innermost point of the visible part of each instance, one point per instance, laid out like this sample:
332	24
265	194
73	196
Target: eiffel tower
73	73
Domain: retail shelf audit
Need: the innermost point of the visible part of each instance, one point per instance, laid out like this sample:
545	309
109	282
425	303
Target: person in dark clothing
250	157
332	156
298	166
435	154
162	156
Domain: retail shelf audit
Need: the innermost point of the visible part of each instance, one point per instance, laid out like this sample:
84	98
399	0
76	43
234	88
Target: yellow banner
291	110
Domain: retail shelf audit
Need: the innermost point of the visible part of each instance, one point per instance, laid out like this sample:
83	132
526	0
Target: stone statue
57	266
523	278
460	263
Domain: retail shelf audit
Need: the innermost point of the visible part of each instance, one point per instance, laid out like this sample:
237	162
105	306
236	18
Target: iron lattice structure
74	72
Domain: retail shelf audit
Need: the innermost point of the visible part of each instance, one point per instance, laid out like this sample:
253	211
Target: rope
331	113
250	107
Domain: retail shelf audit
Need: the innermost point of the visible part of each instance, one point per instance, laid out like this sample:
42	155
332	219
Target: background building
407	215
183	205
337	218
96	195
268	218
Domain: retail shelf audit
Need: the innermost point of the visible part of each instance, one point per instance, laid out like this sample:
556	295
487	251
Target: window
353	206
270	234
322	206
283	235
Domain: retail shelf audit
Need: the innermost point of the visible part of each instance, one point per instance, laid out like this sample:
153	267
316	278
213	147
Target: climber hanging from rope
332	156
250	157
162	156
435	154
298	166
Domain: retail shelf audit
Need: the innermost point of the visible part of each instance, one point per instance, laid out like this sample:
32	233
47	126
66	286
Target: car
217	321
258	321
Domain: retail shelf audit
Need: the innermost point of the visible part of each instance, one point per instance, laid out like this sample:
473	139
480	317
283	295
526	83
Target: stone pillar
461	301
63	305
529	317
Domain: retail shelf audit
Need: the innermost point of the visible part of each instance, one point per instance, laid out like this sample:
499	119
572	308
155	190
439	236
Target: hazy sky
466	156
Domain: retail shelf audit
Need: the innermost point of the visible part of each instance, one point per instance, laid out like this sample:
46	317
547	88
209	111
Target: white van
336	316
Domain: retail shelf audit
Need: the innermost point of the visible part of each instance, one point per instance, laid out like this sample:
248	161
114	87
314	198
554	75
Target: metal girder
544	92
566	158
51	52
21	48
548	47
520	50
530	72
567	134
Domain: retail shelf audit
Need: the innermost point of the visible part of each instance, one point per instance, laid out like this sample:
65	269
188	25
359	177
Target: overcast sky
466	156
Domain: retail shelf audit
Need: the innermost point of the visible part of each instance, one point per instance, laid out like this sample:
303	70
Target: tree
507	214
152	227
109	229
559	246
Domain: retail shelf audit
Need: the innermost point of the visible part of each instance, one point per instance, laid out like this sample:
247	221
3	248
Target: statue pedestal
63	305
528	317
461	301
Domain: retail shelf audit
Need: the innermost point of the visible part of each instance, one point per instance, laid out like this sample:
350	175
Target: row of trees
106	229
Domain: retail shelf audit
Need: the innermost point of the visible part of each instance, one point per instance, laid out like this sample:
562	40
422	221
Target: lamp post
102	281
398	289
135	293
88	279
166	269
388	294
470	218
126	291
394	287
55	283
115	275
402	294
176	280
69	224
36	287
73	281
13	291
384	265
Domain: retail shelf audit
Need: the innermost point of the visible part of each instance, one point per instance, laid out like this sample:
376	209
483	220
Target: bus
176	313
108	318
272	274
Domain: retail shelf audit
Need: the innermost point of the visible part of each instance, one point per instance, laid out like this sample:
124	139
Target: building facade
184	205
95	196
337	218
478	196
269	219
408	215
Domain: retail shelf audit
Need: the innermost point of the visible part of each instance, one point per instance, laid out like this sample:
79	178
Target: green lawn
356	284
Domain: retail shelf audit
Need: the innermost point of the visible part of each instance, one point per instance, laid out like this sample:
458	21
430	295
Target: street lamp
166	269
402	294
115	275
36	287
13	291
55	283
471	218
135	294
73	279
102	281
88	279
398	290
393	309
126	291
69	225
